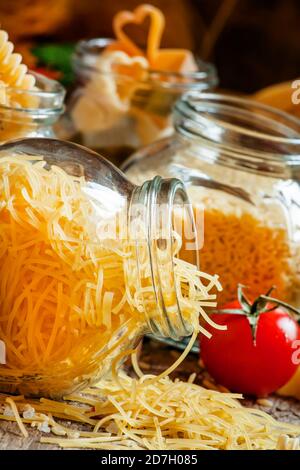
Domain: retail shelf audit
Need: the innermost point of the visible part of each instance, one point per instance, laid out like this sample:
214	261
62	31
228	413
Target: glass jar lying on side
88	263
118	105
240	162
31	113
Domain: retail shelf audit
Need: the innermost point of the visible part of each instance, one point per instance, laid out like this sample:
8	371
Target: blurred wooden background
253	43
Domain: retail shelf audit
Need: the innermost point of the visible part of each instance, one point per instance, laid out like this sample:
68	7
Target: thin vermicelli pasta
66	307
15	411
155	413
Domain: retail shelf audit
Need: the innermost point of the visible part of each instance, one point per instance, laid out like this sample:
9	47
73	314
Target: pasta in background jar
241	164
30	103
31	113
124	94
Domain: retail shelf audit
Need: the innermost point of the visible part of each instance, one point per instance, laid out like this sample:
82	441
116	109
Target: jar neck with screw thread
32	113
152	214
240	133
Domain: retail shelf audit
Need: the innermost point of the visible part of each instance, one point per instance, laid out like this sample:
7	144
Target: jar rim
49	92
242	126
87	51
170	195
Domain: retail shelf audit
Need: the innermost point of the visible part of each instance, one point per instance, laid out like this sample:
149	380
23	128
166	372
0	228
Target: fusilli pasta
12	72
17	92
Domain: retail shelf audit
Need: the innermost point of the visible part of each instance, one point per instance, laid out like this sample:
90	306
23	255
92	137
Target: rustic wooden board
155	358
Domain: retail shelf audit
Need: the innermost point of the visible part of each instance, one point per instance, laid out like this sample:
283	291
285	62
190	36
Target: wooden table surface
155	358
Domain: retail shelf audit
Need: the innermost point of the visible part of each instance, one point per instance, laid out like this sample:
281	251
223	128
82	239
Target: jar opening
160	218
246	132
45	100
87	51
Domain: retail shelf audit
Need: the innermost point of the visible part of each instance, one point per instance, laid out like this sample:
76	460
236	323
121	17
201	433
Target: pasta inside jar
124	94
240	163
74	295
30	104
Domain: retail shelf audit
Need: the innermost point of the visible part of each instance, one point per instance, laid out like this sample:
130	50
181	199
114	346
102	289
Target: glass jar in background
32	113
99	113
87	267
240	161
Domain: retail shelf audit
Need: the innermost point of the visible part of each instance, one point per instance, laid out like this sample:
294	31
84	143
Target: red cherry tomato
242	364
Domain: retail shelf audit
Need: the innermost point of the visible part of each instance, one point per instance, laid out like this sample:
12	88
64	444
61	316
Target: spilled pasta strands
15	411
164	415
153	413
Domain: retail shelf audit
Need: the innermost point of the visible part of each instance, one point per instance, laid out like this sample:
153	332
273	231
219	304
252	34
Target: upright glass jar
240	161
32	113
87	265
100	114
